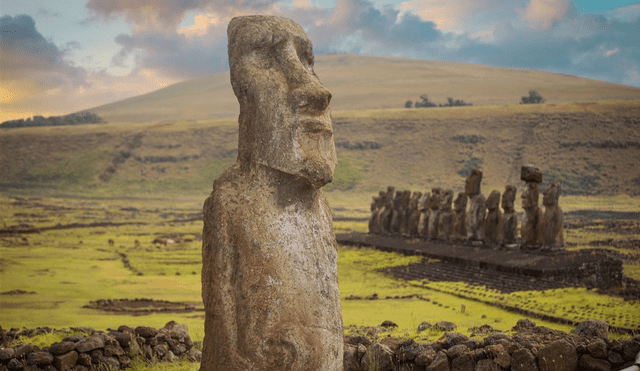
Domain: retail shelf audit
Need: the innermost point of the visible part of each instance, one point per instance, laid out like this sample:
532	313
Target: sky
59	57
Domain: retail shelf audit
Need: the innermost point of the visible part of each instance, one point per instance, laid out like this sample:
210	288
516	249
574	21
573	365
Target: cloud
31	64
540	14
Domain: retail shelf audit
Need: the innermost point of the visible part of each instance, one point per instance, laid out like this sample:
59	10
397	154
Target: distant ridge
364	82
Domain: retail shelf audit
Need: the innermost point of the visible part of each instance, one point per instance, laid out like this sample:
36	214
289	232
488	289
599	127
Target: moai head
406	199
530	195
461	202
472	184
397	200
434	199
493	201
446	199
285	123
509	198
415	198
551	194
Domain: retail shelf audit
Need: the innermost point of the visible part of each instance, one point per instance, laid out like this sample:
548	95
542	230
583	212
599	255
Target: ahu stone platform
583	268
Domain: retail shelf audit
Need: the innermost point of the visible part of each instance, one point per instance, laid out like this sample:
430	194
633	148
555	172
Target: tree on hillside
455	103
425	102
408	104
533	98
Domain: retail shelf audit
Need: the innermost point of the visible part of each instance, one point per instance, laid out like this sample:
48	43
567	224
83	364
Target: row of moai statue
472	216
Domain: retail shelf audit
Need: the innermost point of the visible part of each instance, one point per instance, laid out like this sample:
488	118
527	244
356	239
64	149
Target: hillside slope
361	82
592	148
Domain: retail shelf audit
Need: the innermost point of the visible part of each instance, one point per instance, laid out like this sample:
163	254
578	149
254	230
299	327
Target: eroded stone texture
269	277
405	212
397	213
530	229
551	233
434	212
509	221
460	216
477	210
383	220
445	219
492	220
377	205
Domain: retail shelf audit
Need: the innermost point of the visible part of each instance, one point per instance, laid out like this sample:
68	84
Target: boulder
523	360
62	347
64	362
530	173
592	328
445	326
588	363
87	345
39	358
558	356
440	363
464	362
597	348
378	357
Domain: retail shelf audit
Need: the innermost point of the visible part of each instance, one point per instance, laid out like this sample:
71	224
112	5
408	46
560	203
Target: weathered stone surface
409	352
425	211
530	229
445	326
378	357
414	214
445	219
592	328
463	363
351	358
589	363
84	359
551	232
453	338
440	363
39	358
123	338
477	209
269	279
487	365
491	223
112	362
457	350
6	354
597	348
460	215
425	357
509	221
630	348
87	345
523	360
193	355
530	173
79	368
614	358
558	356
15	365
64	362
23	350
424	325
146	331
62	347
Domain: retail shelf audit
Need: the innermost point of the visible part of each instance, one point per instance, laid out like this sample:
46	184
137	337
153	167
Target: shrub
533	98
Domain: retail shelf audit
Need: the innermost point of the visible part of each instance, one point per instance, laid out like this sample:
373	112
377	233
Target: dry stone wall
112	350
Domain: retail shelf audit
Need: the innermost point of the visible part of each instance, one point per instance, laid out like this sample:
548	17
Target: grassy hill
363	83
592	148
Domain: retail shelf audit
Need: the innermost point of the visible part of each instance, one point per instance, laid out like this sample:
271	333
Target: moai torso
423	223
530	229
552	234
460	216
434	212
376	208
477	211
269	276
384	218
509	223
405	213
396	213
414	217
492	220
445	220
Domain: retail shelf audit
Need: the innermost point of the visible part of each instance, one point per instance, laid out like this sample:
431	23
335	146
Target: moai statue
405	212
477	211
434	212
460	216
269	254
384	219
445	219
492	220
423	222
414	216
377	204
509	222
530	229
396	213
551	227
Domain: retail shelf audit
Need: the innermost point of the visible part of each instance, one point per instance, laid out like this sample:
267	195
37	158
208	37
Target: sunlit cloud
540	14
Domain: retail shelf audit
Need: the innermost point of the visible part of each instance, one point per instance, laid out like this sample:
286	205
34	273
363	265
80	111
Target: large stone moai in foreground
477	210
269	278
509	221
530	229
492	220
551	233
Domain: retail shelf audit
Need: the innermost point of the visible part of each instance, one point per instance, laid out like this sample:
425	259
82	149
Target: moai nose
310	96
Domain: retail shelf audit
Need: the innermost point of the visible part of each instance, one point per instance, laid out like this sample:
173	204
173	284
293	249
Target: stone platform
581	268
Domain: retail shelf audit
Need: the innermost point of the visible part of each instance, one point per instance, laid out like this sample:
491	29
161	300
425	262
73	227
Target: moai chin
530	229
445	219
269	277
509	223
477	210
434	212
460	216
492	220
551	226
